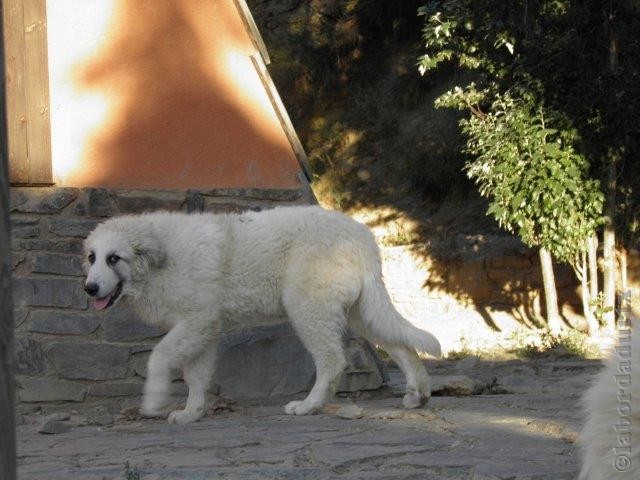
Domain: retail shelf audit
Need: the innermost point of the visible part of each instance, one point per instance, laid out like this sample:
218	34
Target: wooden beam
7	399
37	92
252	29
13	22
282	115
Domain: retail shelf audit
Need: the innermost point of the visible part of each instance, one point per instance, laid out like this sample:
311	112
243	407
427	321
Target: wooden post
7	415
27	91
13	22
37	92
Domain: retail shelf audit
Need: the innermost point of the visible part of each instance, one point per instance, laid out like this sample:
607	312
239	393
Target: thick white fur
611	404
190	273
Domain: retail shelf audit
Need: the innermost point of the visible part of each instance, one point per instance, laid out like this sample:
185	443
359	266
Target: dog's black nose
92	289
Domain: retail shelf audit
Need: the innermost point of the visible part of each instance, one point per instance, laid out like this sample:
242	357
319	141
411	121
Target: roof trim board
252	28
283	116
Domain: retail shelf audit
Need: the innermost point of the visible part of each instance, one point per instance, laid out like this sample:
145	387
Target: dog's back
261	246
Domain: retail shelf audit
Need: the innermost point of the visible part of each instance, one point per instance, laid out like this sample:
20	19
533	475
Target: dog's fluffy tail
386	323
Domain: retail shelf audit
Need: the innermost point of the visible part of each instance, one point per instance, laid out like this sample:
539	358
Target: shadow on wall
509	283
187	109
347	72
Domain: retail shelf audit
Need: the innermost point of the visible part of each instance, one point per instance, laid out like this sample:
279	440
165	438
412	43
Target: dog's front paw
300	407
147	412
154	406
415	400
184	416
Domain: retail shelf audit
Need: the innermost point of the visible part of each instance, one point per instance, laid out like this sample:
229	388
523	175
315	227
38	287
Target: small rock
452	385
54	427
349	412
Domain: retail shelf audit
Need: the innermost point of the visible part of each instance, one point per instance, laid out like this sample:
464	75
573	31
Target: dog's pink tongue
101	303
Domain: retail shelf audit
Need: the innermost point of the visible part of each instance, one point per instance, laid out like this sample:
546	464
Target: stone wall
475	296
68	353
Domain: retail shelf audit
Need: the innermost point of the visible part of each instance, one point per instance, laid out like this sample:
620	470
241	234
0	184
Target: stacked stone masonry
65	352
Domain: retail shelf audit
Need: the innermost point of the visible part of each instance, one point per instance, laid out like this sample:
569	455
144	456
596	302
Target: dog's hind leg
197	374
321	332
418	389
180	346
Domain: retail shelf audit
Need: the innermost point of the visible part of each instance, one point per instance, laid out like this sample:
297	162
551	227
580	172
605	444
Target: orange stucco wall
160	94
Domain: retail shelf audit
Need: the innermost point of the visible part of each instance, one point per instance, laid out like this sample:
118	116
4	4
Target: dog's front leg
197	374
184	342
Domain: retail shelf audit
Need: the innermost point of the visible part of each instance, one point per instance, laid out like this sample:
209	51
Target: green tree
533	139
537	185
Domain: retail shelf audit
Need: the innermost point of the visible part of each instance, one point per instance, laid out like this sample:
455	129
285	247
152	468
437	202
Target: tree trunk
592	323
609	249
593	266
7	415
609	237
554	322
613	41
622	255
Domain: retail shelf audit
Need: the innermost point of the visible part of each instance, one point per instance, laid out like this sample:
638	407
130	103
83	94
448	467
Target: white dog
610	439
189	273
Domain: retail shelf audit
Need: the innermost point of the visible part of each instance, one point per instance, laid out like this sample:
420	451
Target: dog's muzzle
91	289
106	301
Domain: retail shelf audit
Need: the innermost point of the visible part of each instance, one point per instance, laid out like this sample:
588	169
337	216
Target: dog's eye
91	258
113	259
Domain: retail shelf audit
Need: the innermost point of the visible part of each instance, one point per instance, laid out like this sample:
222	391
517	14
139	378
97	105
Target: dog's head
117	257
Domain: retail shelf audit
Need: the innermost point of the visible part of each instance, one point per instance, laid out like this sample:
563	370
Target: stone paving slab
522	435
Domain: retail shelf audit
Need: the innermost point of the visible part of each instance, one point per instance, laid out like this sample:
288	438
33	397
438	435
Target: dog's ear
148	251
